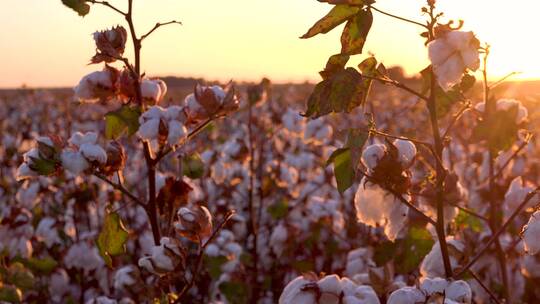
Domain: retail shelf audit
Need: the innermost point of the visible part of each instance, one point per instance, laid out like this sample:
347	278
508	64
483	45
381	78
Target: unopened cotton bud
372	154
194	223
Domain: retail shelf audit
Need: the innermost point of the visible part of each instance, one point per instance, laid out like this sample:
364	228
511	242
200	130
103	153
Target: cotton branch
158	25
496	235
398	17
120	188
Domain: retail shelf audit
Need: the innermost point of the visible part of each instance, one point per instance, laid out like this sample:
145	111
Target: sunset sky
44	44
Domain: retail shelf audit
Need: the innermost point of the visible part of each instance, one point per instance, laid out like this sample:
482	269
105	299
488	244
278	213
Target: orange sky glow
43	44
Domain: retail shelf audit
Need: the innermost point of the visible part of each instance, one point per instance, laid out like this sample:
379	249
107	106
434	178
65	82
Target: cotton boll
154	112
530	266
177	132
58	285
406	295
153	89
330	284
85	91
174	113
433	266
407	151
149	130
433	286
94	152
531	234
278	239
377	208
24	172
78	138
124	277
365	294
46	232
74	161
459	291
451	55
372	154
293	294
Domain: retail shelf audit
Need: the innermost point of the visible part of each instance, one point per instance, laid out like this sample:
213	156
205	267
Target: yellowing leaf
118	122
112	238
339	14
355	33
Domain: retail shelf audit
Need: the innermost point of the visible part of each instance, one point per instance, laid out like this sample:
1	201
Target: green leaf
340	93
343	168
234	291
43	266
355	33
20	276
335	64
339	14
79	6
112	238
214	265
500	132
43	166
193	166
368	67
465	220
124	119
10	294
407	253
278	210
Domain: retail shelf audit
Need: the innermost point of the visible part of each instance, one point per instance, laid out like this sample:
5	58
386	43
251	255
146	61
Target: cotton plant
378	199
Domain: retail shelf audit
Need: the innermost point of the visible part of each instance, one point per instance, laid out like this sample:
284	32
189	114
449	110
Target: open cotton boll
372	154
78	138
459	291
124	277
154	112
278	239
45	140
74	161
24	172
407	151
362	295
515	195
433	286
149	130
86	89
45	232
330	284
153	89
506	104
531	234
293	293
433	266
174	113
94	152
406	295
177	132
376	207
451	55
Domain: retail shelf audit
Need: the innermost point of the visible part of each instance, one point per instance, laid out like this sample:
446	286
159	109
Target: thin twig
456	118
158	25
120	188
107	4
200	255
399	85
498	82
399	18
471	212
490	293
